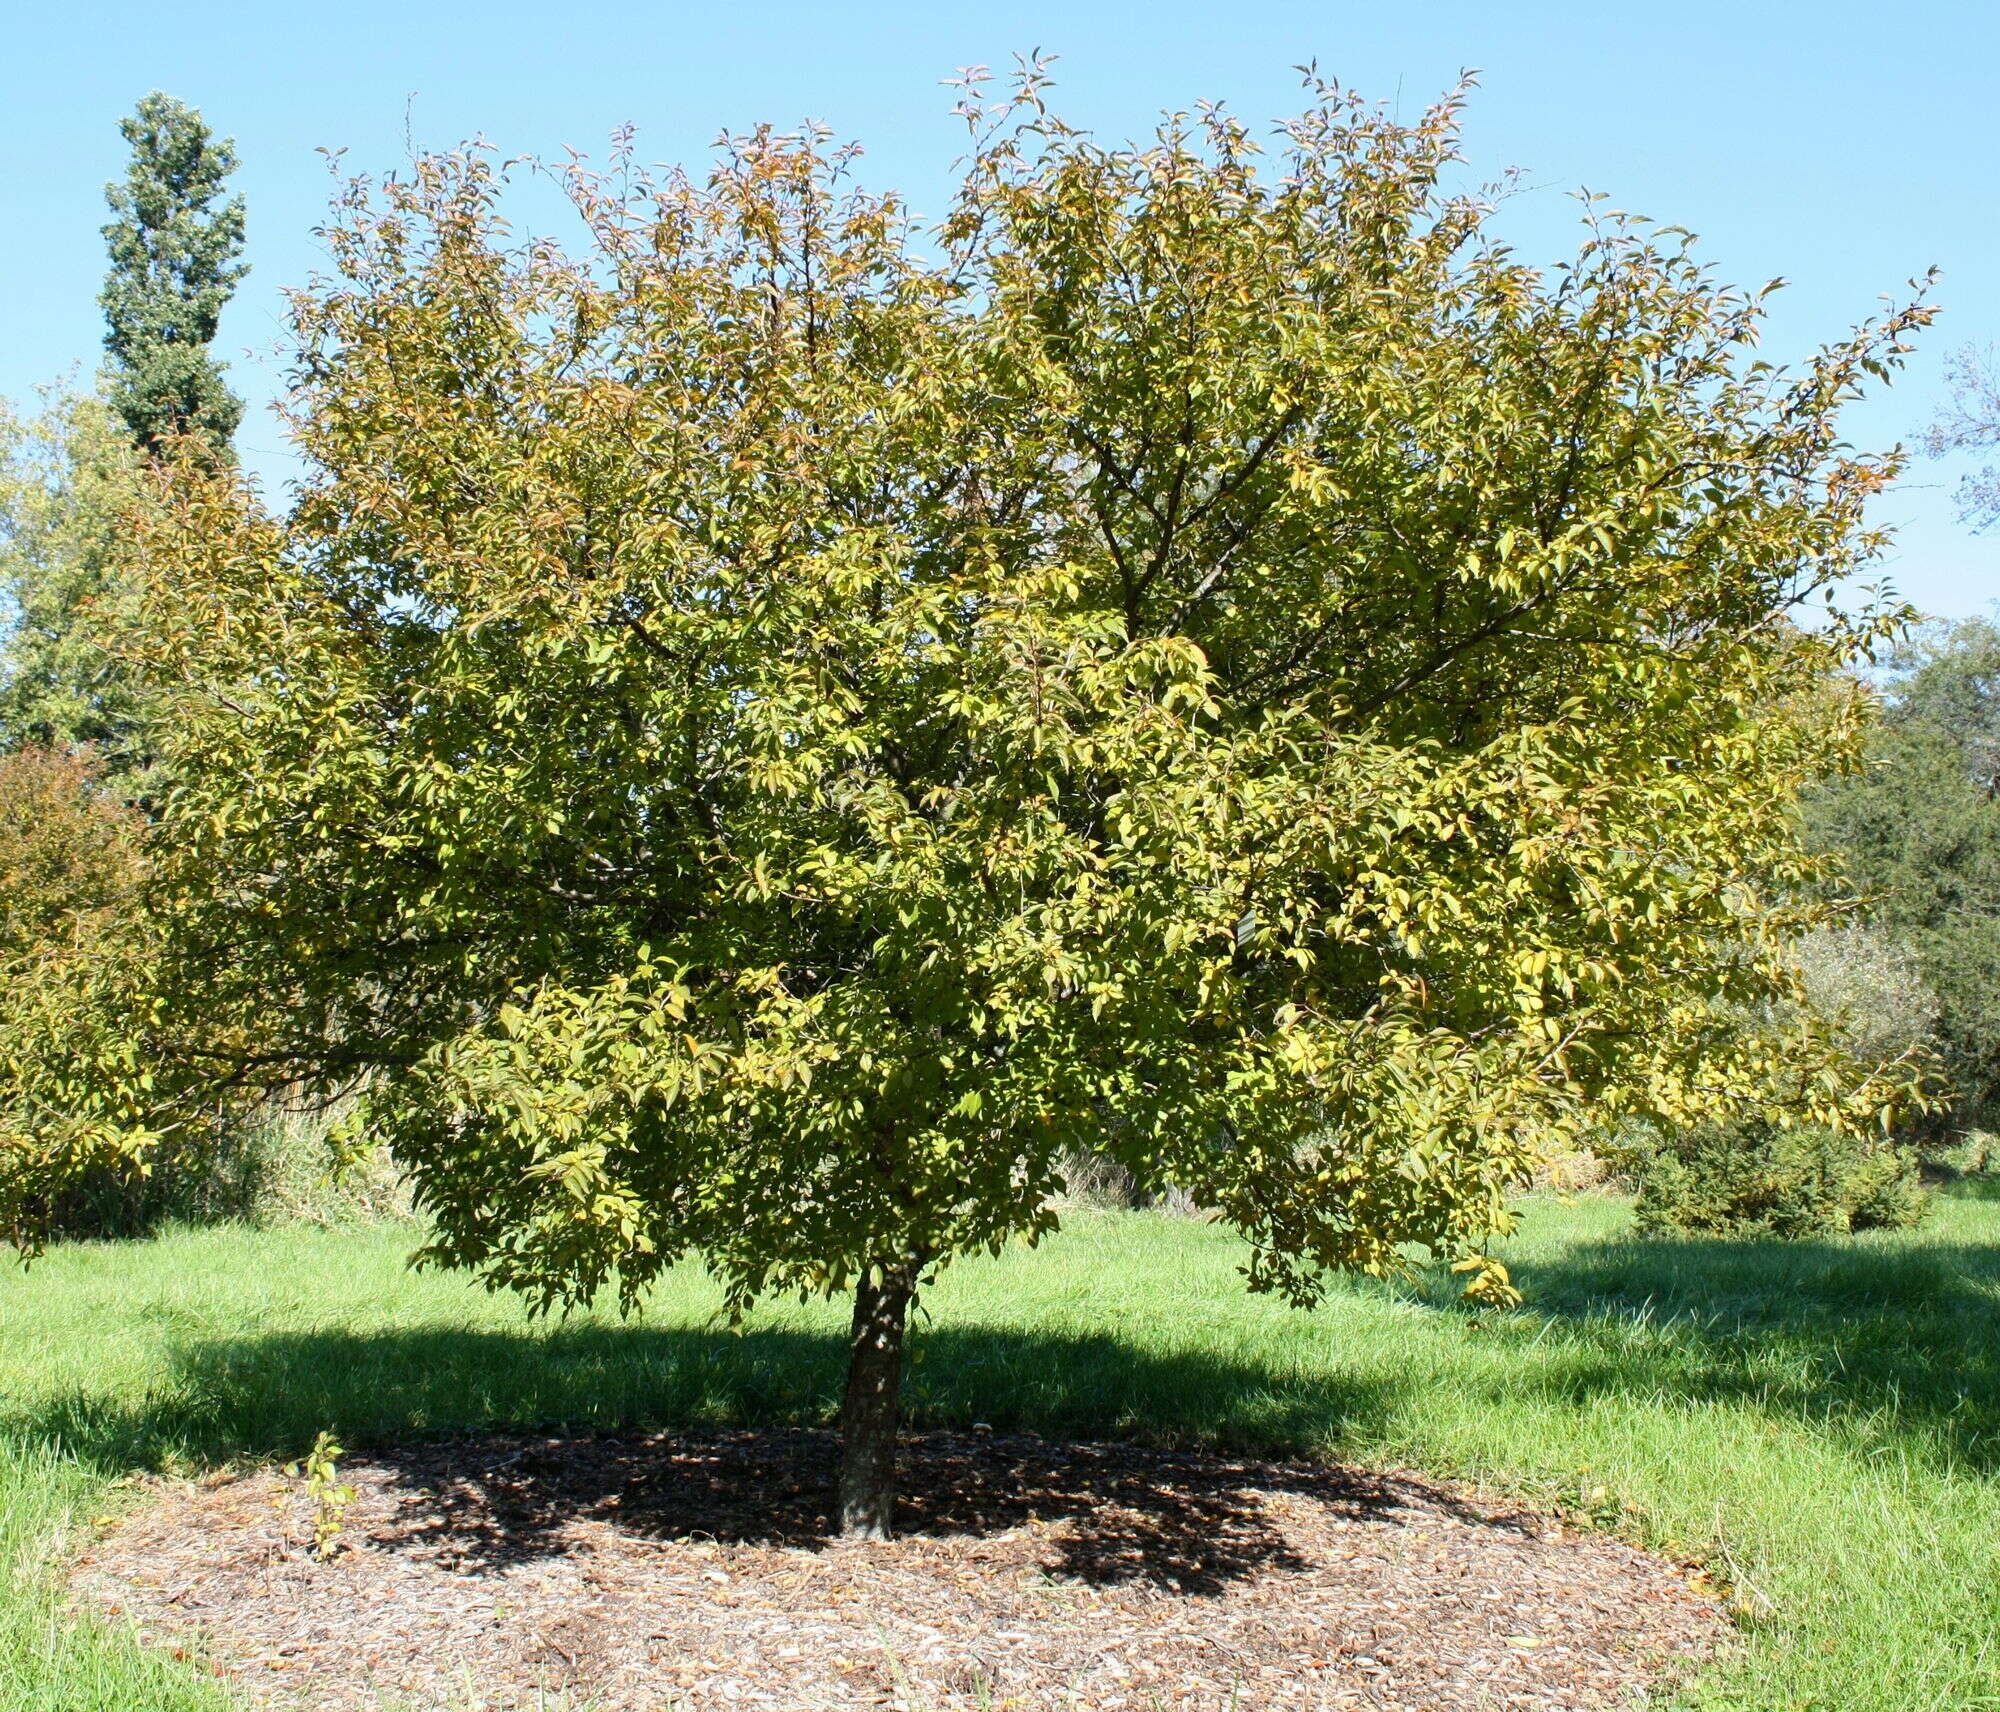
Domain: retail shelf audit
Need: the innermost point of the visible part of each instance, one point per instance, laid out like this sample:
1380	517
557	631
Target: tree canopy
760	732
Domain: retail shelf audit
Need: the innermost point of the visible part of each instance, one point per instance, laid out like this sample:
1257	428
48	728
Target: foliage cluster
1755	1180
74	1077
69	855
65	474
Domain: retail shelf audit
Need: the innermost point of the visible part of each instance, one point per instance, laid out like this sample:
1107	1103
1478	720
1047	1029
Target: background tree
173	247
75	1110
74	1124
757	737
64	475
1970	423
1871	984
1920	830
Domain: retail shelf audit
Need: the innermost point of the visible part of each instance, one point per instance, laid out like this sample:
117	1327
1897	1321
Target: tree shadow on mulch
739	1452
1108	1513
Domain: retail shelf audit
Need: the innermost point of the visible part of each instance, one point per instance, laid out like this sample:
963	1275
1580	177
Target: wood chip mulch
636	1573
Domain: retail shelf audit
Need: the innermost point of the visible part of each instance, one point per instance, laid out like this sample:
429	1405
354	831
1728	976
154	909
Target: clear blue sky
1844	146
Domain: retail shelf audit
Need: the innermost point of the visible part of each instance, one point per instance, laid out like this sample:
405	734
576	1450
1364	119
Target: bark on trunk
869	1409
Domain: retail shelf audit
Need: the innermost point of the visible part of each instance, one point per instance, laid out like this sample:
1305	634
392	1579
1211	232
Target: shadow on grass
268	1394
744	1453
1889	1338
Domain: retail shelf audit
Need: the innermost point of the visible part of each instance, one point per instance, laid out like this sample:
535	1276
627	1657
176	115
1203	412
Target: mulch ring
635	1573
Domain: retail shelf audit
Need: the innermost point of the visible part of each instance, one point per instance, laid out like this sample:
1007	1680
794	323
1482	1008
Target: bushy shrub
1759	1180
272	1166
1886	1192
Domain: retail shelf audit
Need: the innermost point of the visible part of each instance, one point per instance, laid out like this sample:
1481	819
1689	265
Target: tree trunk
869	1409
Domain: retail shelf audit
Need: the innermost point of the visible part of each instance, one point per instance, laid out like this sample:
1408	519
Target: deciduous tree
1971	423
74	1071
758	734
65	474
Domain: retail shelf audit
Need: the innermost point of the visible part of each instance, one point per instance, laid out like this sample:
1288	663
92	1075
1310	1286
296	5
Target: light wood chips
637	1573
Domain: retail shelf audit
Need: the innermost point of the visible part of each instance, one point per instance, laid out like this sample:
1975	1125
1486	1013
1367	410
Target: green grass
1827	1414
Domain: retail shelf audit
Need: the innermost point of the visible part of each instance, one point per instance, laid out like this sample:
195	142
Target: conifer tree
173	247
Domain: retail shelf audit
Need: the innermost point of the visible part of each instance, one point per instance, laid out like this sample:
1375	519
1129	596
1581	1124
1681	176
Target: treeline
1918	832
81	781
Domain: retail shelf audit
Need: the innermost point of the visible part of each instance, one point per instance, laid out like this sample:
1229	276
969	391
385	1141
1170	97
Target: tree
173	267
1971	422
64	476
1919	830
1870	984
758	736
72	1054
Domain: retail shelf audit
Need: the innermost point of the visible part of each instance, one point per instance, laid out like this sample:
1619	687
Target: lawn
1820	1420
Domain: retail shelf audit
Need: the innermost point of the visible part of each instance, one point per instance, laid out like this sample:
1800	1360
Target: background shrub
276	1166
1759	1180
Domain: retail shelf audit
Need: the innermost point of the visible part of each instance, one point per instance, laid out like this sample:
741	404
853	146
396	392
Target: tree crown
65	475
760	734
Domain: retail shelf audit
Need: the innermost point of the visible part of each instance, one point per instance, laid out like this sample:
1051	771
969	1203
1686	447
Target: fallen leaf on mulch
640	1572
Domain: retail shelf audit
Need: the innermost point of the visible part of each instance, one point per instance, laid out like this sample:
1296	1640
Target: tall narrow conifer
173	245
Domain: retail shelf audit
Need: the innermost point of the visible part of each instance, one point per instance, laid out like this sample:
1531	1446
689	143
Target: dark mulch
635	1573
